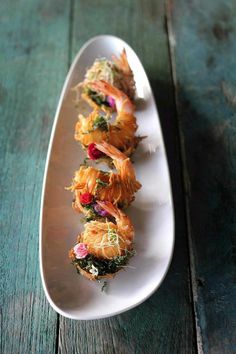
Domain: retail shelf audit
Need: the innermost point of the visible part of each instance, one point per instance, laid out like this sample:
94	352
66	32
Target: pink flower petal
80	250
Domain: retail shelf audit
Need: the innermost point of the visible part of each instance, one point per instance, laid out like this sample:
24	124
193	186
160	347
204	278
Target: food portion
117	187
104	247
116	72
97	128
106	244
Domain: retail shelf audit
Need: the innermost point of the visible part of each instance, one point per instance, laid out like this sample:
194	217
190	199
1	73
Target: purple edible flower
111	101
100	211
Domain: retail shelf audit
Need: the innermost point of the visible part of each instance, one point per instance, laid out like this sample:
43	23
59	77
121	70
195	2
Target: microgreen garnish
113	237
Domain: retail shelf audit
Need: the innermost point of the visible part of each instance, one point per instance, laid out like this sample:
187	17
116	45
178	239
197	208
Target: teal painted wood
202	36
164	323
33	64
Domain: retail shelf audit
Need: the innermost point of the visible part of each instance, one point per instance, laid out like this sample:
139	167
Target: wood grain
33	63
164	323
202	36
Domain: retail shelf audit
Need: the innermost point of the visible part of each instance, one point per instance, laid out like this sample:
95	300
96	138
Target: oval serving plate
70	294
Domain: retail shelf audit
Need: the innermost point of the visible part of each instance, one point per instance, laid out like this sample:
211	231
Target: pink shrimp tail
110	151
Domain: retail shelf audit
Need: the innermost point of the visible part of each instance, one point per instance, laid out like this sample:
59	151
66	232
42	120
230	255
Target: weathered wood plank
164	323
33	64
203	41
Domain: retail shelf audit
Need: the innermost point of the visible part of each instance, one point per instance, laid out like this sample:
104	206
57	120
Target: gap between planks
71	25
57	334
185	177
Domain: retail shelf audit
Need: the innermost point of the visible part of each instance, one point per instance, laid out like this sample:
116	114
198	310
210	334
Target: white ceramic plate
70	294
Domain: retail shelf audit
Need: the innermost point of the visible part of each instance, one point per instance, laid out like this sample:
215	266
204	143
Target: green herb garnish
85	162
104	266
90	213
100	123
96	97
100	183
88	207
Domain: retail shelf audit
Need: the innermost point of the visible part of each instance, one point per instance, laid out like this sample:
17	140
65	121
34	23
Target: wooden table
188	49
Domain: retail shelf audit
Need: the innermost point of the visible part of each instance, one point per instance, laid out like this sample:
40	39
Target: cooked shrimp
121	133
105	239
122	101
118	188
117	73
102	243
88	131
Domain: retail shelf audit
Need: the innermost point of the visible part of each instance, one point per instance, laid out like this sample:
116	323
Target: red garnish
94	153
86	198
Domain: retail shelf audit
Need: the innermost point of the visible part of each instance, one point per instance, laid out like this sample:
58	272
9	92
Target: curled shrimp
106	239
117	187
121	133
116	72
122	101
